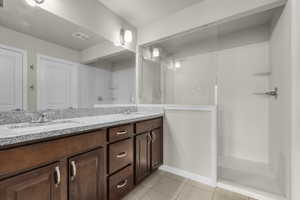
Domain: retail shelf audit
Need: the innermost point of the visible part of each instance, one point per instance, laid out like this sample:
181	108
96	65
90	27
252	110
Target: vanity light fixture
33	3
126	36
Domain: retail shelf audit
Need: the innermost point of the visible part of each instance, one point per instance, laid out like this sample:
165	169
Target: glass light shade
155	53
177	64
128	36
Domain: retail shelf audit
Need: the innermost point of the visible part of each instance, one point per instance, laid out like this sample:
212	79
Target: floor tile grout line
180	189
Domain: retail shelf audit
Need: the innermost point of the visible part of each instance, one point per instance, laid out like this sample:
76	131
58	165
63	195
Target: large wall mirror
48	62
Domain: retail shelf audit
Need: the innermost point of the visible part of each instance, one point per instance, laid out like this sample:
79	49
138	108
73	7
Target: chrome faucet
43	118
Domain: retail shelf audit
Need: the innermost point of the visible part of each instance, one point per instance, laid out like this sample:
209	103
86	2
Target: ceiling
142	12
19	16
119	57
173	44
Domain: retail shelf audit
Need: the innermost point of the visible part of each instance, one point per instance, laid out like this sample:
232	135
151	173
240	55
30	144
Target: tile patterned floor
165	186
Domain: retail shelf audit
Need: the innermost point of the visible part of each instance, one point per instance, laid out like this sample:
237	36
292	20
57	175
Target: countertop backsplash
12	117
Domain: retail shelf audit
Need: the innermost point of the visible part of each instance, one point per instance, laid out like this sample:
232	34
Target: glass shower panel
185	71
151	82
248	144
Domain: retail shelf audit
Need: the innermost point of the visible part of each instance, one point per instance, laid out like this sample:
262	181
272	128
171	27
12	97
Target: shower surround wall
229	65
107	83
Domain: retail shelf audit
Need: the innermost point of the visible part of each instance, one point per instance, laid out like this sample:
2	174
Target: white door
86	80
57	83
11	79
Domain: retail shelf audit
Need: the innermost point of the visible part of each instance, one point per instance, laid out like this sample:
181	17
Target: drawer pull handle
74	170
58	177
122	184
122	132
122	155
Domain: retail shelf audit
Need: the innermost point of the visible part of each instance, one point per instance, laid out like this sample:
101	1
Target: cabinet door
39	184
86	176
156	148
142	157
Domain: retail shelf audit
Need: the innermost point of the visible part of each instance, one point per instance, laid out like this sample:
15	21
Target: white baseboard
189	175
226	186
249	192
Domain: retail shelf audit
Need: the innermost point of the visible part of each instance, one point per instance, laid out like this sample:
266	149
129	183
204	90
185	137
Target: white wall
280	109
33	46
189	144
244	116
203	13
193	83
123	82
294	7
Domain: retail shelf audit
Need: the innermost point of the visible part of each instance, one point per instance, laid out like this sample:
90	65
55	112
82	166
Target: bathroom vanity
104	163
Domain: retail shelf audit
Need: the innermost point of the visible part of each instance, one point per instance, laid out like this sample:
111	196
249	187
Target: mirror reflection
49	62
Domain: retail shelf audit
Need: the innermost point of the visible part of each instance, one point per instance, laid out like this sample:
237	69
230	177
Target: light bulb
155	53
128	36
177	64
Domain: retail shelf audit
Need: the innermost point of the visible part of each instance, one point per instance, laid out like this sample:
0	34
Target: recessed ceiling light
80	35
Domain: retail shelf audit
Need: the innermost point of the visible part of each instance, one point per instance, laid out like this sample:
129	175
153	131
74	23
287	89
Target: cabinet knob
57	176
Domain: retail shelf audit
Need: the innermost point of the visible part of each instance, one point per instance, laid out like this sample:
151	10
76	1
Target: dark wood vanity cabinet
142	156
86	176
104	164
42	183
67	168
148	148
156	148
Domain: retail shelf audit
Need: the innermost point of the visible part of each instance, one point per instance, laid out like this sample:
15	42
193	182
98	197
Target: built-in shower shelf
263	74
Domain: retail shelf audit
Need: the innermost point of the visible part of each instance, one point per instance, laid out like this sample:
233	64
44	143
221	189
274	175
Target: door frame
39	58
23	52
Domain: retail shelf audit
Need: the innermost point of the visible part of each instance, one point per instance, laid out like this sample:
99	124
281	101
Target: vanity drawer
146	126
120	155
121	183
120	132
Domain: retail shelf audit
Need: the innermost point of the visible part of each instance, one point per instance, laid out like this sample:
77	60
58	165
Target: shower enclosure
241	66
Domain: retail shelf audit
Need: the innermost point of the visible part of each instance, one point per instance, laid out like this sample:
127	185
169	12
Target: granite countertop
14	134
